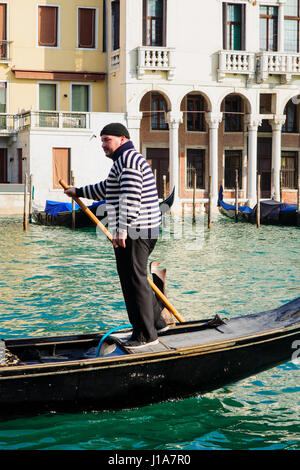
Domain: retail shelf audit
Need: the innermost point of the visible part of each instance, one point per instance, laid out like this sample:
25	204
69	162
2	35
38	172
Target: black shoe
134	344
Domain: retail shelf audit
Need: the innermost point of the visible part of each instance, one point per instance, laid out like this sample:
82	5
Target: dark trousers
142	306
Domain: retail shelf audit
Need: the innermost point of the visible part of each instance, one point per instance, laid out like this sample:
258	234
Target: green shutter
80	98
47	97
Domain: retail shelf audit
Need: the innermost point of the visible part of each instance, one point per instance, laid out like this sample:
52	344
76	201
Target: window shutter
243	24
145	22
86	19
3	31
225	26
48	26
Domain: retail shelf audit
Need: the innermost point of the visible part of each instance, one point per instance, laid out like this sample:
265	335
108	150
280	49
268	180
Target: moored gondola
271	212
96	371
60	213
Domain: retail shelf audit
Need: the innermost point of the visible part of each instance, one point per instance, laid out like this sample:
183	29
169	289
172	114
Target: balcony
52	119
277	63
236	62
155	59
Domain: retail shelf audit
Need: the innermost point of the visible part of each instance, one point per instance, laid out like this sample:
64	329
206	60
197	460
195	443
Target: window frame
295	169
57	94
57	29
157	112
269	17
229	114
201	112
243	25
90	88
294	18
240	168
203	153
96	30
164	24
286	112
115	44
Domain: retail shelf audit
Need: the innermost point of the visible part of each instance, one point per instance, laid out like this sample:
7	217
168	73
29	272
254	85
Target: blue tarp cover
54	207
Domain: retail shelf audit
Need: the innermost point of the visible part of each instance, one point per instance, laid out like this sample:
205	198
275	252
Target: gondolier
134	218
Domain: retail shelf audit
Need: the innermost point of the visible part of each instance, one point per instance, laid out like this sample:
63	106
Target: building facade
212	87
205	87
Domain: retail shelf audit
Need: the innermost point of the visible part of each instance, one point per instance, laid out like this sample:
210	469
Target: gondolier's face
110	143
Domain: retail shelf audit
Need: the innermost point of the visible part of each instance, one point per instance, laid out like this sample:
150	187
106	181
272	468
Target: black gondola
60	214
271	212
96	372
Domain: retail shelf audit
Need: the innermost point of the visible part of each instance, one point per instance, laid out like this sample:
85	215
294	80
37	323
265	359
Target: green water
59	281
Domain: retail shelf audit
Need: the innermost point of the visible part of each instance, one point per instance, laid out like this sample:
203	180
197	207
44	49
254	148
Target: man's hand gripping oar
110	238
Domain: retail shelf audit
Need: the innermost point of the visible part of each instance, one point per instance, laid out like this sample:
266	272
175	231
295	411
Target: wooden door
264	165
158	159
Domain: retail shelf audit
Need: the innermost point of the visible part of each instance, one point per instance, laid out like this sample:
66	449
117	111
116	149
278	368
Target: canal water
56	281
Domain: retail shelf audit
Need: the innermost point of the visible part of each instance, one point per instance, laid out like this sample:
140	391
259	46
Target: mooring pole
209	210
25	212
194	196
236	195
258	202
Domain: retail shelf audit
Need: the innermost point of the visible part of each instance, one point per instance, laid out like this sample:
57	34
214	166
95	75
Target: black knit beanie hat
115	128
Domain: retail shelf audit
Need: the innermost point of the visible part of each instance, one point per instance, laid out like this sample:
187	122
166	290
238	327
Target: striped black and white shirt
130	193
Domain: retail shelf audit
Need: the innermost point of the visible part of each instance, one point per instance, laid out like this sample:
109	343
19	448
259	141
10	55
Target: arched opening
193	145
154	138
233	145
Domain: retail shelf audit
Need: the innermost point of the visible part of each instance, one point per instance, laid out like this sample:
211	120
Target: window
292	26
47	102
195	113
61	166
233	114
3	100
291	120
87	28
80	98
47	97
115	27
233	26
154	19
233	162
3	31
48	26
289	169
268	28
158	108
195	161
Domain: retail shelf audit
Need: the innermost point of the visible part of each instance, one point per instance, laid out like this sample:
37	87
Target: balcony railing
52	119
155	59
277	63
259	65
236	62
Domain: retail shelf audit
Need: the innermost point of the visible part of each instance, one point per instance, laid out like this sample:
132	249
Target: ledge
59	75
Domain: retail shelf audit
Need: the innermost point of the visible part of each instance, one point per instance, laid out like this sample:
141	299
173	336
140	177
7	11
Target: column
276	124
174	120
213	120
133	125
252	121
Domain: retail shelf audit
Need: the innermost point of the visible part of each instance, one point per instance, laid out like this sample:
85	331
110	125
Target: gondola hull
64	374
81	219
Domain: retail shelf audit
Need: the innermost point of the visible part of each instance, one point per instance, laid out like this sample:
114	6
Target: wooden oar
109	236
